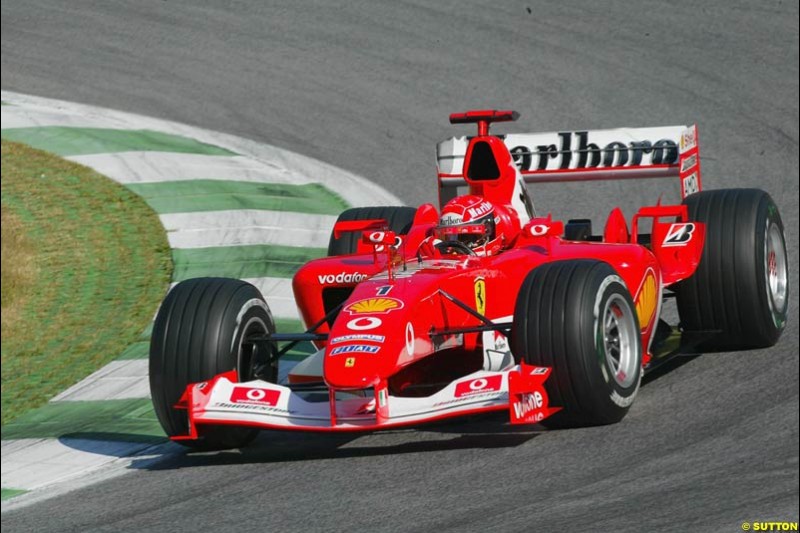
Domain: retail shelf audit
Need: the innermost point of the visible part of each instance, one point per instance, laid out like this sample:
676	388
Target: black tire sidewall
558	323
727	298
197	335
605	390
400	219
774	319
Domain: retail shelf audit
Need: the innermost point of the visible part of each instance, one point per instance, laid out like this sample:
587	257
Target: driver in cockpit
469	225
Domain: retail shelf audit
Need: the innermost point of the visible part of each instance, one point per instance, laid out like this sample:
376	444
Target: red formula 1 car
481	305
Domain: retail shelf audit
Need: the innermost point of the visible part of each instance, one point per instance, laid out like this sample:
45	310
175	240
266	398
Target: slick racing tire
399	218
740	291
203	329
577	317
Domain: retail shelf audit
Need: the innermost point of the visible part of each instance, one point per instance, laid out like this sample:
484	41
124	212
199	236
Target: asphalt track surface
368	86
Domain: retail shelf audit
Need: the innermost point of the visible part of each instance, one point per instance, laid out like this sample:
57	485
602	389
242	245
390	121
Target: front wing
223	401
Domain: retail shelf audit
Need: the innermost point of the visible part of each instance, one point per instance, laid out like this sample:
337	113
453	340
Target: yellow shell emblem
373	305
647	300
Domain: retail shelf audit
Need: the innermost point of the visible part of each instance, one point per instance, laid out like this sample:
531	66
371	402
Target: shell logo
647	300
374	305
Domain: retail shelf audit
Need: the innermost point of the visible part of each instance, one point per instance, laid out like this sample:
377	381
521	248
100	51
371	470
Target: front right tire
578	318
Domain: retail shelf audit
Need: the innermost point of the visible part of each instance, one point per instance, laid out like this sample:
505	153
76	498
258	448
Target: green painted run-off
112	420
221	195
10	493
258	261
67	141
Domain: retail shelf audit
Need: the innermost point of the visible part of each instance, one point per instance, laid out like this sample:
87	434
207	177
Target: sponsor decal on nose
357	337
478	386
364	323
341	277
355	348
255	395
374	305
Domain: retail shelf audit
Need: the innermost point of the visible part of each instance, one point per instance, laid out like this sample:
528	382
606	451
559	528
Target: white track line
35	463
245	227
70	464
123	380
49	467
154	167
279	295
357	191
118	380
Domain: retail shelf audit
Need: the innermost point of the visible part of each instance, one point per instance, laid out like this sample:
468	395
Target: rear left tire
400	219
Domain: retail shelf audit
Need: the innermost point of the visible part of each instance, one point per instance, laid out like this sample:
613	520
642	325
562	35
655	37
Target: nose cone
363	346
384	325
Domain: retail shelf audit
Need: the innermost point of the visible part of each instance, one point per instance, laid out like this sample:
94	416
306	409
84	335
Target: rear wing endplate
588	155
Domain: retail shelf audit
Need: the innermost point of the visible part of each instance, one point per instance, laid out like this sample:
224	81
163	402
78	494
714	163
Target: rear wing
588	155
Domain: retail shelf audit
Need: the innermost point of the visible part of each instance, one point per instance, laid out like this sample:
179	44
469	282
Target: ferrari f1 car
480	304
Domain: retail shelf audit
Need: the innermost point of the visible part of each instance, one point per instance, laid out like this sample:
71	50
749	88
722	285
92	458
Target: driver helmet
473	222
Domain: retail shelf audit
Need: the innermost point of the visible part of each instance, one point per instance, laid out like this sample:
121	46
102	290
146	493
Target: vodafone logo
479	386
364	323
410	339
341	277
254	395
379	238
529	403
538	230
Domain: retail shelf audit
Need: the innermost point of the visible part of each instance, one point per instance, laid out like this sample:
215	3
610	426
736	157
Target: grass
85	263
18	269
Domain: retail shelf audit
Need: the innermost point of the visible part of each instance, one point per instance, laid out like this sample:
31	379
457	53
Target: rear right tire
740	289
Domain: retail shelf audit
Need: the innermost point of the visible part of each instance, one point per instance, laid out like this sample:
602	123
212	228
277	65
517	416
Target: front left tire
203	328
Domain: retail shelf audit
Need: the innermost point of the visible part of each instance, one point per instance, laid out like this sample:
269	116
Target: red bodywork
394	354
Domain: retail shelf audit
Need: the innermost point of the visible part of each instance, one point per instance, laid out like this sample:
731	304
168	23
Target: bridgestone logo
342	277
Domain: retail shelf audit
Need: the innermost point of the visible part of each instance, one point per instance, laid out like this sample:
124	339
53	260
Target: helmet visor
473	235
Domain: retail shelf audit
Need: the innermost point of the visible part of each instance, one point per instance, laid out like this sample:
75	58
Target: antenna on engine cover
483	118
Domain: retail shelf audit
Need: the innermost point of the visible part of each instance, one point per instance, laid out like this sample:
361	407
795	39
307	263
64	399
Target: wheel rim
775	269
619	341
248	355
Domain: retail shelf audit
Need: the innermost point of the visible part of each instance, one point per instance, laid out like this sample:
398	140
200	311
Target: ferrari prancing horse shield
480	296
